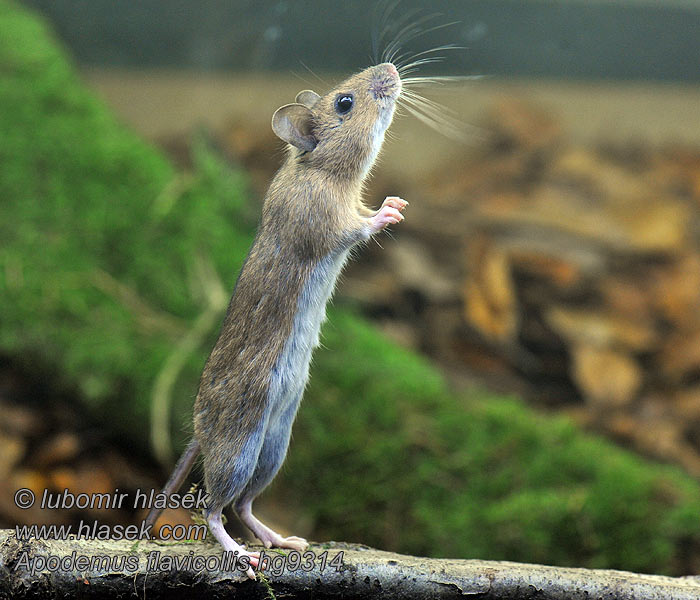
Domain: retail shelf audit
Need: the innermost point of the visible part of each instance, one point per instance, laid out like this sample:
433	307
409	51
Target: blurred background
513	374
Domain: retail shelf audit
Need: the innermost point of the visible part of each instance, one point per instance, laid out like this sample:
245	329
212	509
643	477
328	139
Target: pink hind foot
267	536
216	526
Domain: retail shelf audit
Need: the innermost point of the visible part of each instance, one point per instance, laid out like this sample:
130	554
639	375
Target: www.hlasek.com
273	563
94	530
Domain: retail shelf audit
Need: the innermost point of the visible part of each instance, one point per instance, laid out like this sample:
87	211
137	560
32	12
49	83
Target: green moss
106	258
103	243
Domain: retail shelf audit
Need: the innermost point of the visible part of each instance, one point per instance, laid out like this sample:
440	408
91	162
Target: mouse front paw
388	214
395	202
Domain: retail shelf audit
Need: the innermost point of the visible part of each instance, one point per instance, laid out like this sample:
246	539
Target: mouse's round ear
308	98
293	124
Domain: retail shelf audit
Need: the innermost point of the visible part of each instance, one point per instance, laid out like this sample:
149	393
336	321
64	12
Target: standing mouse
313	215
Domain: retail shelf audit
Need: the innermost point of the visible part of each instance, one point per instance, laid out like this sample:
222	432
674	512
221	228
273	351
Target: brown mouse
313	215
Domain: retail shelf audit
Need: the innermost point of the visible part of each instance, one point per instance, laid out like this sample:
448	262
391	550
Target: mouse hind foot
216	526
267	536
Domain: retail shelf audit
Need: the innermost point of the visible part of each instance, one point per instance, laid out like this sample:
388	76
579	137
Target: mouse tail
179	474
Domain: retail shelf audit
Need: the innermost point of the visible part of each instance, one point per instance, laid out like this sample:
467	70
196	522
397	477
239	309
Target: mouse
313	216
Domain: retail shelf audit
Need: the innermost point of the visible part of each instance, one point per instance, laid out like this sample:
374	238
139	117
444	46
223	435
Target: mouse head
342	131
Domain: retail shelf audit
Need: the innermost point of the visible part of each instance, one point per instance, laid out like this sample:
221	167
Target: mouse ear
293	124
307	97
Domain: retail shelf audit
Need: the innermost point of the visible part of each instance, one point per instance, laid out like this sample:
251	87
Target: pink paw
388	214
395	202
294	543
253	556
254	560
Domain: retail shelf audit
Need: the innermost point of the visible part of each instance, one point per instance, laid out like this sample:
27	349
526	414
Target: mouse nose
391	68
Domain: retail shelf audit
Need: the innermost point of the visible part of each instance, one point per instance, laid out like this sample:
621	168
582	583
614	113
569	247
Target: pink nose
390	68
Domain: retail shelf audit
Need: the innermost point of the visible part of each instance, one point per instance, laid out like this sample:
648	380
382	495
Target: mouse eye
343	103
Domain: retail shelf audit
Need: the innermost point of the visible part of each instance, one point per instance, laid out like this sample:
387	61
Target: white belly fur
291	372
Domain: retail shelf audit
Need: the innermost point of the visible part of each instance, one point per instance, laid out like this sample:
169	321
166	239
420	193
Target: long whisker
436	116
452	130
431	111
411	32
310	70
435	28
404	25
421	61
441	112
380	27
429	80
406	34
441	128
429	51
410	57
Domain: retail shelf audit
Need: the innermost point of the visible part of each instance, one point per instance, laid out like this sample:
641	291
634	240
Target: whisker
422	61
325	83
429	30
400	65
407	57
435	115
441	122
432	109
415	61
399	33
438	79
426	101
406	34
380	27
451	130
438	49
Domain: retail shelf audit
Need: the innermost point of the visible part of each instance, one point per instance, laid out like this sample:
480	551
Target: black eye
343	103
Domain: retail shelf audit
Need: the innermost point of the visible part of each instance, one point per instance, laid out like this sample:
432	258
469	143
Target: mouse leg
216	526
226	477
271	457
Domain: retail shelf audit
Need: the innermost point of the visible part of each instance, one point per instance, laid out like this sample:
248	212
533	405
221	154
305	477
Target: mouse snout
386	82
